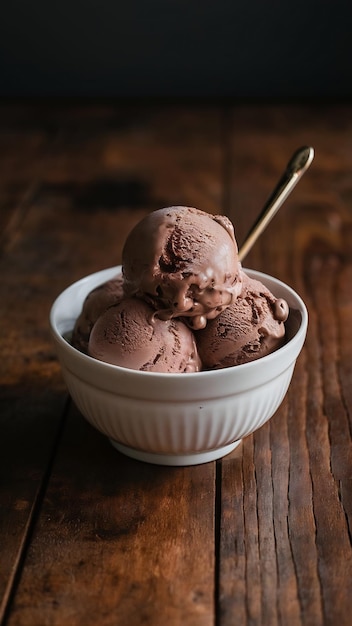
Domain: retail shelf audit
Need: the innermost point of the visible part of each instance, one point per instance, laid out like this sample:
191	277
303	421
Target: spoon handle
298	164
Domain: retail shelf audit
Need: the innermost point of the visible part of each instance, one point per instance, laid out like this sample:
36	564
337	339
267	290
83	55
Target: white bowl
175	419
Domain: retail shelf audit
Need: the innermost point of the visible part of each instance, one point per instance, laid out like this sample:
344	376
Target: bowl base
194	458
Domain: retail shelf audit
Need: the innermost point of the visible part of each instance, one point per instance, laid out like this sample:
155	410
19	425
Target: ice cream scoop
96	302
184	262
130	335
251	327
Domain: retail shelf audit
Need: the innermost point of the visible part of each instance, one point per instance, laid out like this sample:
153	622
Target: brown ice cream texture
130	335
182	302
251	327
96	302
184	262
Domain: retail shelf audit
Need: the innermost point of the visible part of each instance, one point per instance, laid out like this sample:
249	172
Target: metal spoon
298	164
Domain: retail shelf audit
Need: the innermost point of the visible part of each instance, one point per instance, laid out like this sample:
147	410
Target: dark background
170	48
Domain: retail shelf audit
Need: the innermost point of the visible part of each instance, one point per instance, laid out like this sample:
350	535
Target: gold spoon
297	165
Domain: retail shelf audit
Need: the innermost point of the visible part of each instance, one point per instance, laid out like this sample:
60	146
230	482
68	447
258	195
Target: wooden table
89	536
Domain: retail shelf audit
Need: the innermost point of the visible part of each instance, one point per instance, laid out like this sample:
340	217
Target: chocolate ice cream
251	327
183	302
129	334
96	302
184	262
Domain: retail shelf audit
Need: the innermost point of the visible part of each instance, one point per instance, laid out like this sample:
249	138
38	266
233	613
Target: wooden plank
30	414
116	540
85	561
294	533
22	149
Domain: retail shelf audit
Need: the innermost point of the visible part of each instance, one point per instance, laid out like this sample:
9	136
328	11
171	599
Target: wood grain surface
89	536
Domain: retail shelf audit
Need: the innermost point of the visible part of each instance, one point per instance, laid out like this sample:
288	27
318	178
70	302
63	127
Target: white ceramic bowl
175	419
